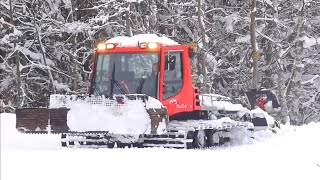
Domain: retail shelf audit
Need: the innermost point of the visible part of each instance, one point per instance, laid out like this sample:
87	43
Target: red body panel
184	101
187	99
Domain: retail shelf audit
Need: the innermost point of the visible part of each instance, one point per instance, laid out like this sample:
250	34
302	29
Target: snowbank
124	41
12	140
293	153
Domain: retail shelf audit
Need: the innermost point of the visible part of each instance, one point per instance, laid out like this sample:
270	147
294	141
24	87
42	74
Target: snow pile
239	136
153	103
128	118
162	127
218	102
124	41
97	113
262	114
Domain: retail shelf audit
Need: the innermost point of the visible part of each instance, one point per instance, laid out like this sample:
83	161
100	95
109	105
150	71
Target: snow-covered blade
123	114
116	116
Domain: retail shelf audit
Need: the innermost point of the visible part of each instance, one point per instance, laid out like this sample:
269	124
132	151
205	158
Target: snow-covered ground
294	153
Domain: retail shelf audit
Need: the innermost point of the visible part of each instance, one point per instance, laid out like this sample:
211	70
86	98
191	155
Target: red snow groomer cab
156	71
159	69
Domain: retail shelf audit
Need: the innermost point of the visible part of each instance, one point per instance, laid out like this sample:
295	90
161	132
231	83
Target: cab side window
173	76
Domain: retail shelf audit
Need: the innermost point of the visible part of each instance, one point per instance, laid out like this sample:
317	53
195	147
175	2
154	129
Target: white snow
58	101
102	114
153	103
230	21
262	114
218	102
293	153
162	127
268	2
309	42
5	84
33	55
115	119
243	39
125	41
310	81
17	32
67	4
75	27
60	86
92	114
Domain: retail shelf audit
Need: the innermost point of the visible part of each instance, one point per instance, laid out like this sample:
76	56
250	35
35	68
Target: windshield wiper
141	82
120	87
112	79
113	82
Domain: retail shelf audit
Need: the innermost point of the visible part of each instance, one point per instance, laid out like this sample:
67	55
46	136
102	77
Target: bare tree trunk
17	59
204	49
282	92
255	50
296	92
294	85
128	23
152	16
297	72
281	79
73	56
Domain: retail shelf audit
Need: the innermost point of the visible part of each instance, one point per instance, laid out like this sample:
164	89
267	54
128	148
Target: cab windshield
126	73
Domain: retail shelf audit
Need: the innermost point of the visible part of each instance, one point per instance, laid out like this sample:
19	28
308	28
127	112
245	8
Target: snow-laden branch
310	81
33	55
267	37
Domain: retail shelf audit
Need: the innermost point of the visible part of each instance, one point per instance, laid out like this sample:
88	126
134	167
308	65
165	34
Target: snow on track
294	153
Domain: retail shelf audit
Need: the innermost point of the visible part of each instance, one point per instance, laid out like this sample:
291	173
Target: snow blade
75	117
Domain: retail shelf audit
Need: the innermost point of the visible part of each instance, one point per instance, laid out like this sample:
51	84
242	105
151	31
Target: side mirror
86	66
